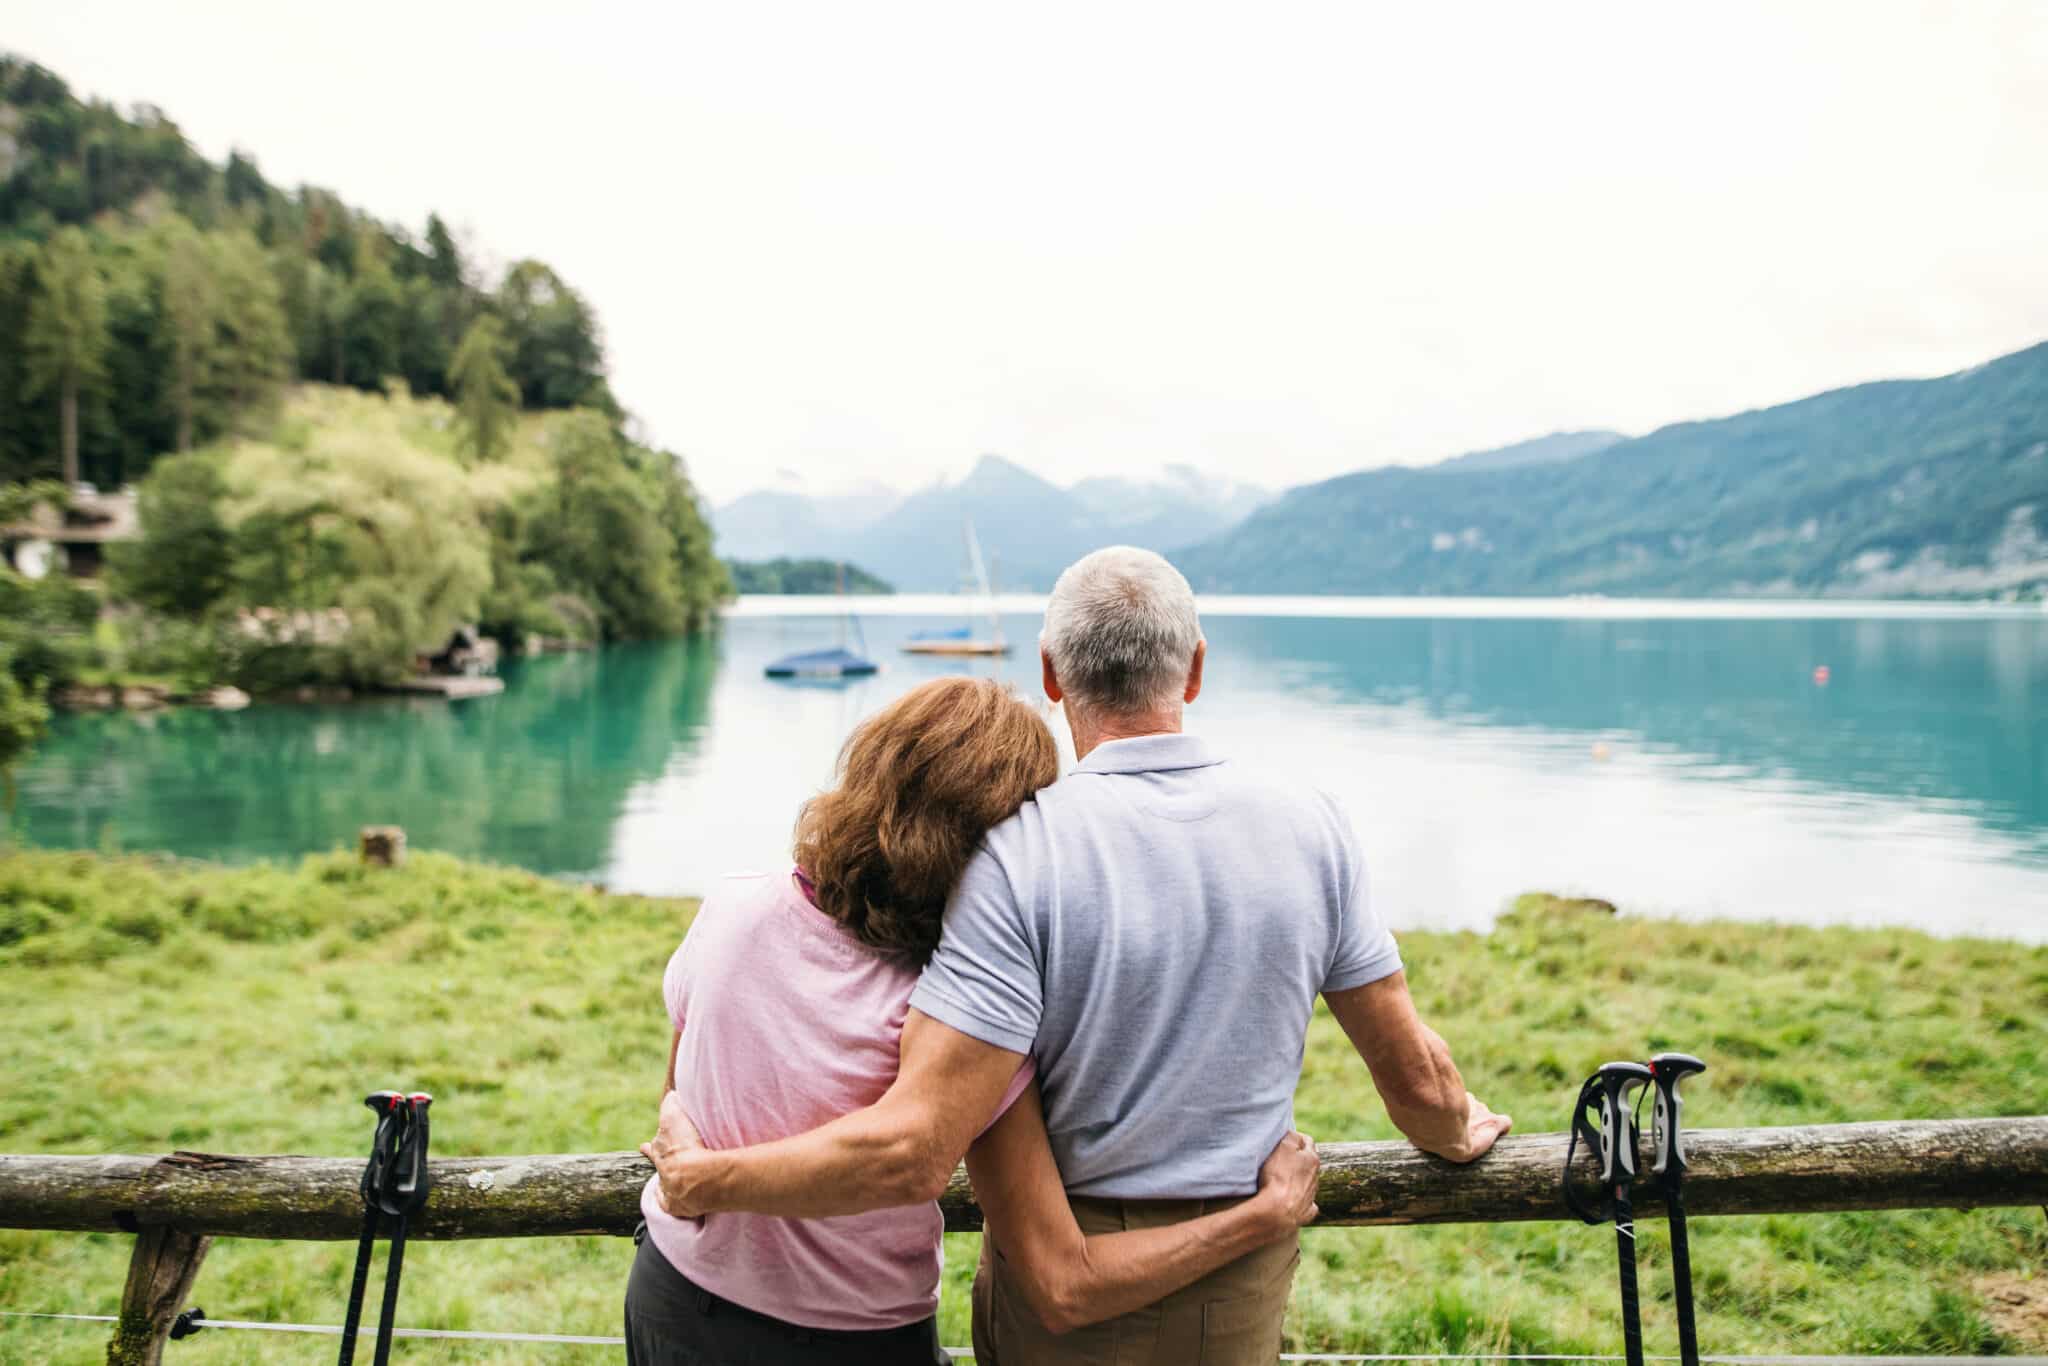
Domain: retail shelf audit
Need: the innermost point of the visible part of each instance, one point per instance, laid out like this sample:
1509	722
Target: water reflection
534	777
1685	767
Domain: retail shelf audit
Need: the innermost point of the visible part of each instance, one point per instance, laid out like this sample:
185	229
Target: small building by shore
74	540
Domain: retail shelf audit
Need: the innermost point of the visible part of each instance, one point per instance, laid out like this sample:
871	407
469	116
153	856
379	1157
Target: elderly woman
788	999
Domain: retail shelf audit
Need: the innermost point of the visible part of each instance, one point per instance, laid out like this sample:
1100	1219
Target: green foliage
43	646
557	358
24	717
181	563
602	540
64	337
486	397
1925	487
802	576
163	302
363	519
530	1008
216	287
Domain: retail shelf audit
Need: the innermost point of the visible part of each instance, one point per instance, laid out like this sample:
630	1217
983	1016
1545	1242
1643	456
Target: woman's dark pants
671	1322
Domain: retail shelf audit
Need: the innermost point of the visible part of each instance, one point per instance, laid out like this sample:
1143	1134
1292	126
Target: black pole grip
1667	1141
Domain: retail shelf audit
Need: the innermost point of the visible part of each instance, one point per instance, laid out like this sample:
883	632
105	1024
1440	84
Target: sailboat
961	640
838	662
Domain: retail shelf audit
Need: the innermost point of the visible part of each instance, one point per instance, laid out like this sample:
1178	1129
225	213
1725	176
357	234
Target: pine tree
192	309
486	398
66	341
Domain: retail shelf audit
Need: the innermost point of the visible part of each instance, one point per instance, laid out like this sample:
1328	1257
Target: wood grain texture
160	1274
1909	1164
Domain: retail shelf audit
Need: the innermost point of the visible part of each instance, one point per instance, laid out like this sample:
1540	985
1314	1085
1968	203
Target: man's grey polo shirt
1155	927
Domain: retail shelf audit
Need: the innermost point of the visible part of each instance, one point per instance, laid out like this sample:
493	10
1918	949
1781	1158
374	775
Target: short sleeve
1026	1070
984	980
1364	950
675	990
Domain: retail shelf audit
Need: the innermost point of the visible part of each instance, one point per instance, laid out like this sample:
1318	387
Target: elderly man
1154	929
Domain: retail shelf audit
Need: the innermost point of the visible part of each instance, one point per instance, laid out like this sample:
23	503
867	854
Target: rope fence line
966	1354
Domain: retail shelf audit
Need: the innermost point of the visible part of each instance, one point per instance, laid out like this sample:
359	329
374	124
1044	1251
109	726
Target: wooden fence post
160	1275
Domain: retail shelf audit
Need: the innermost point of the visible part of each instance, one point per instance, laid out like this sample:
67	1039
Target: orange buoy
1820	676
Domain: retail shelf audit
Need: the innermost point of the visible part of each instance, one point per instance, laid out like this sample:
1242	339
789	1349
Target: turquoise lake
1679	760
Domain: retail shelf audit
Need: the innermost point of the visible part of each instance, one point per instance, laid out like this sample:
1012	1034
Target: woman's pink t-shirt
788	1022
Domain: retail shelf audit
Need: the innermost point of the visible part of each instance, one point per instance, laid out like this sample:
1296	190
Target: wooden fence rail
1908	1164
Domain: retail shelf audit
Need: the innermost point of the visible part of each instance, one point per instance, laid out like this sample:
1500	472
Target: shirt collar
1148	754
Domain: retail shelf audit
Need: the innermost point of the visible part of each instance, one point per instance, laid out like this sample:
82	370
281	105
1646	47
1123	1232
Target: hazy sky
1278	241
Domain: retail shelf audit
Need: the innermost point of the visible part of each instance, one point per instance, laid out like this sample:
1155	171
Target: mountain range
1900	488
1029	527
1933	487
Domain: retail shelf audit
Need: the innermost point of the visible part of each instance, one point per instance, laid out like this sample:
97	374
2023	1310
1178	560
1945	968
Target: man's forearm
1431	1110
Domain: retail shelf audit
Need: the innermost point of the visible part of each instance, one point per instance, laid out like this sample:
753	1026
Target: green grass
155	1005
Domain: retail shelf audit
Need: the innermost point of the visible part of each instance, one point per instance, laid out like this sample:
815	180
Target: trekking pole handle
1619	1083
1667	1143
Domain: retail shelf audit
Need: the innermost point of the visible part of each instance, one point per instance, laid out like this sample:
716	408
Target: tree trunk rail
1907	1164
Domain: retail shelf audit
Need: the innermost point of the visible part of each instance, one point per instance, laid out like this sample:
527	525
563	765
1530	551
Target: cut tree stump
383	846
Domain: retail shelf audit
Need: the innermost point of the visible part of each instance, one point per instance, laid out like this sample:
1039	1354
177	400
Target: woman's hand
674	1138
1287	1183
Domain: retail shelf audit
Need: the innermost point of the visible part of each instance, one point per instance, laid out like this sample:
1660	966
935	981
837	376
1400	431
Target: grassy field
154	1005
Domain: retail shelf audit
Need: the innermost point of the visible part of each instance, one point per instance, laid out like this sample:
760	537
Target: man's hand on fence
1482	1127
675	1138
1287	1183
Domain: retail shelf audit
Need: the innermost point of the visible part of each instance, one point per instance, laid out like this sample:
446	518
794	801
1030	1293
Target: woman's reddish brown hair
919	783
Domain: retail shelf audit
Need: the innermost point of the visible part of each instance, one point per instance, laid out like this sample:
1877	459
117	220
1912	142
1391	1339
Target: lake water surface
1678	759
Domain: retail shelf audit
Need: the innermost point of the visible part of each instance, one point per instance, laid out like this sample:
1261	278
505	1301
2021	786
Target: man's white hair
1121	631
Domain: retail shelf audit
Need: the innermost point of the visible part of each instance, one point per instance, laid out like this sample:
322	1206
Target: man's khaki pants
1230	1317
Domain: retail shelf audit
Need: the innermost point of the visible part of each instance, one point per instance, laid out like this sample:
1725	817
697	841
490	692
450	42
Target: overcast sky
838	242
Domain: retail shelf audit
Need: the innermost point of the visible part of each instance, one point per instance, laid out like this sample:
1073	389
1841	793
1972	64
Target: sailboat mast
981	578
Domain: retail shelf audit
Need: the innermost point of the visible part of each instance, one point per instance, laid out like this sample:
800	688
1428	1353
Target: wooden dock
454	687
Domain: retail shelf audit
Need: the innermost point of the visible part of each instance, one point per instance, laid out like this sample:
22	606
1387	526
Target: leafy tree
602	538
24	718
192	309
65	345
363	519
181	563
702	575
557	357
486	398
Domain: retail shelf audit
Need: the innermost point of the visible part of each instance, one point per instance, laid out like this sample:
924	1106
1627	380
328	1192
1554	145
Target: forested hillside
347	440
1932	487
169	295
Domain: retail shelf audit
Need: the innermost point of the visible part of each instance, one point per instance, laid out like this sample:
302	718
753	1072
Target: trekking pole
1667	1160
394	1184
1609	1094
382	1145
405	1194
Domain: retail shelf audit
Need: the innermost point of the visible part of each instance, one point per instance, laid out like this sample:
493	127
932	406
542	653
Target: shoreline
1340	607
